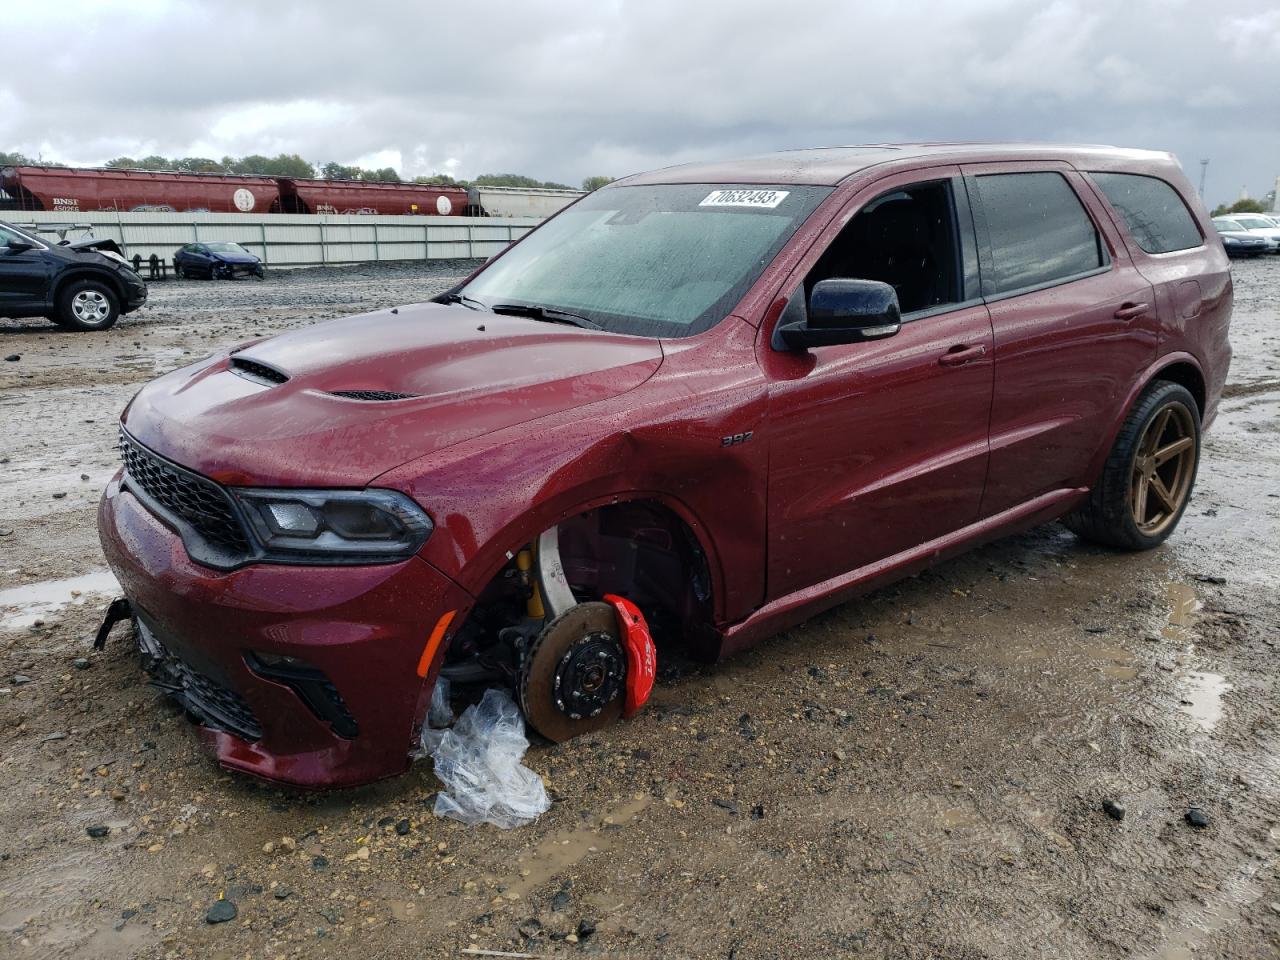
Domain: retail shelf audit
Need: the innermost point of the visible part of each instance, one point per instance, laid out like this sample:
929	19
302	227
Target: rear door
1073	321
1169	249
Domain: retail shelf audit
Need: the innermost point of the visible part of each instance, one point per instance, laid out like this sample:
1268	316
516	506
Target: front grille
381	396
194	500
211	703
257	372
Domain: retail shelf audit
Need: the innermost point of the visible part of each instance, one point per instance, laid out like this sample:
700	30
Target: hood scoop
372	396
258	372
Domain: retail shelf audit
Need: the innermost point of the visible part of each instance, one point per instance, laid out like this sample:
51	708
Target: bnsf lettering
66	203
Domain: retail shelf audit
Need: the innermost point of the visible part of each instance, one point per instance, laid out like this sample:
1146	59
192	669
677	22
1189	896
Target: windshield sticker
745	198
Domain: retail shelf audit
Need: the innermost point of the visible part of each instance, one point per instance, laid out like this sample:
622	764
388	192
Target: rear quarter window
1037	231
1152	210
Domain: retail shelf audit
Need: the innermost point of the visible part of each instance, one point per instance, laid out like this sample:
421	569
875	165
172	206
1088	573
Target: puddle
1202	698
1183	606
958	817
1116	662
21	607
1222	909
560	851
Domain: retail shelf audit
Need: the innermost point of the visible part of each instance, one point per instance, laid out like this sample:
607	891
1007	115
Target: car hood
465	374
234	257
93	244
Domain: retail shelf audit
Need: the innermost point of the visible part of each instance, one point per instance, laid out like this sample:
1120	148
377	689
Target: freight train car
519	201
80	190
33	188
360	196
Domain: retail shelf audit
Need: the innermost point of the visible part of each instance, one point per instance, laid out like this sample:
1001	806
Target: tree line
292	165
1247	205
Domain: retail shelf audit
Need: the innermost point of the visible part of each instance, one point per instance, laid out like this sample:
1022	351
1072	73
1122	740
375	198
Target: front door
24	275
879	447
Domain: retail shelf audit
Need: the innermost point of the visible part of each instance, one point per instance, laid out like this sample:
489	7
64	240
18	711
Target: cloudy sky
565	89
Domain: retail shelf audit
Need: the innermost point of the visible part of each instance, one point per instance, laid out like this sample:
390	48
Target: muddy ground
917	774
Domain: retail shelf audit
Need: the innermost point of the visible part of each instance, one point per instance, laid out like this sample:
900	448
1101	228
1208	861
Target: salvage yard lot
917	774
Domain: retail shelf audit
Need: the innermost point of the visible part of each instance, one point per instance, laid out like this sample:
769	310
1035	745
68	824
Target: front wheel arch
98	276
700	635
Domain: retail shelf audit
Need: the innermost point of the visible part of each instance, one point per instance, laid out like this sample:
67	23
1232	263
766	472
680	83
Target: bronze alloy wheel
1163	470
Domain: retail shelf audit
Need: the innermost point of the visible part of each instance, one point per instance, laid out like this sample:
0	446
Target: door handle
1129	311
962	353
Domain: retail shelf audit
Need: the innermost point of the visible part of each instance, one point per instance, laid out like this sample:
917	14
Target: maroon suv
733	394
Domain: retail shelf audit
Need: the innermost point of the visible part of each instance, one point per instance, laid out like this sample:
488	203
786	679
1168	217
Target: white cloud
562	89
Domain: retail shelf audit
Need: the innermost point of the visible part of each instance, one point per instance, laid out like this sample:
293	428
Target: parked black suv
73	284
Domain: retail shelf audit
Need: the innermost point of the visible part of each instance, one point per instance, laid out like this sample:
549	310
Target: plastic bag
440	714
478	761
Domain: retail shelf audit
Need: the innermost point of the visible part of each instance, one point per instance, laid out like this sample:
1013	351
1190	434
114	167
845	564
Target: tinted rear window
1152	210
1037	230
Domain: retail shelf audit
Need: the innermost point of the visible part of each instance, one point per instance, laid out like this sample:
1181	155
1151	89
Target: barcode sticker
745	198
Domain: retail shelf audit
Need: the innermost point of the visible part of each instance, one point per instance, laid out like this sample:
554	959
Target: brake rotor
573	677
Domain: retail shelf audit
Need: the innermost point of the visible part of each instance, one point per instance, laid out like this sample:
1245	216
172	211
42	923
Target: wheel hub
572	678
589	676
90	306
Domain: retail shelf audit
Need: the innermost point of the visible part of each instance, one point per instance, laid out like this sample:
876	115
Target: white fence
289	240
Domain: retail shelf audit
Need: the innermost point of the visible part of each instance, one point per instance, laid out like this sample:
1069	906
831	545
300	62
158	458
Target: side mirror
845	311
18	245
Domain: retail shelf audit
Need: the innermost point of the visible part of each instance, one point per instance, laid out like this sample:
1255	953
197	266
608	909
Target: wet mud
918	774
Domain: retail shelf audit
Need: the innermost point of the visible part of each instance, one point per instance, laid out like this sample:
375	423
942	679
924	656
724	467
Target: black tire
87	305
180	271
1107	515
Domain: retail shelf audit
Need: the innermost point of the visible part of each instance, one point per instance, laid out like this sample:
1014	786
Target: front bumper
232	270
135	292
217	642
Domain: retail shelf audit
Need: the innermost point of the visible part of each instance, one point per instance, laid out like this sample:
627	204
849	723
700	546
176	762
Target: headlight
334	526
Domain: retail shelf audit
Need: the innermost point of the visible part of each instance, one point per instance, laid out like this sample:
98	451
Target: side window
906	238
1152	211
1037	230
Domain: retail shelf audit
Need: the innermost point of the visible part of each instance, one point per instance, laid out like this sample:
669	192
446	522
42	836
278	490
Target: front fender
491	495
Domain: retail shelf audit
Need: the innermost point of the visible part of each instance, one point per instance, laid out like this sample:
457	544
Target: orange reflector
433	643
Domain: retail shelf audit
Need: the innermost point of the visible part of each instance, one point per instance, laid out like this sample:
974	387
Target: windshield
661	261
9	232
226	248
1255	223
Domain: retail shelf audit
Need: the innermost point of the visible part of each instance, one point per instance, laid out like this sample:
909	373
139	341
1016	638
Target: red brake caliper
642	658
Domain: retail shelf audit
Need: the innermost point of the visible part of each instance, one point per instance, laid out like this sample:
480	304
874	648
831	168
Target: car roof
829	166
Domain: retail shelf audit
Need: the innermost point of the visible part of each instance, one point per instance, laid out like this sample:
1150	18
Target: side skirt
794	608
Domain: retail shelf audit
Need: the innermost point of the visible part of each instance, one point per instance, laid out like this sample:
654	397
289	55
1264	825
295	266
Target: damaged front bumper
300	675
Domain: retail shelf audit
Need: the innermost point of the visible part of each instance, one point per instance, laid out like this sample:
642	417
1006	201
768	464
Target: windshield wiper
549	314
466	301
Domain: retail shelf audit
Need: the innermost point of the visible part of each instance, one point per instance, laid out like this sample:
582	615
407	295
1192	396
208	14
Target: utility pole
1204	167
